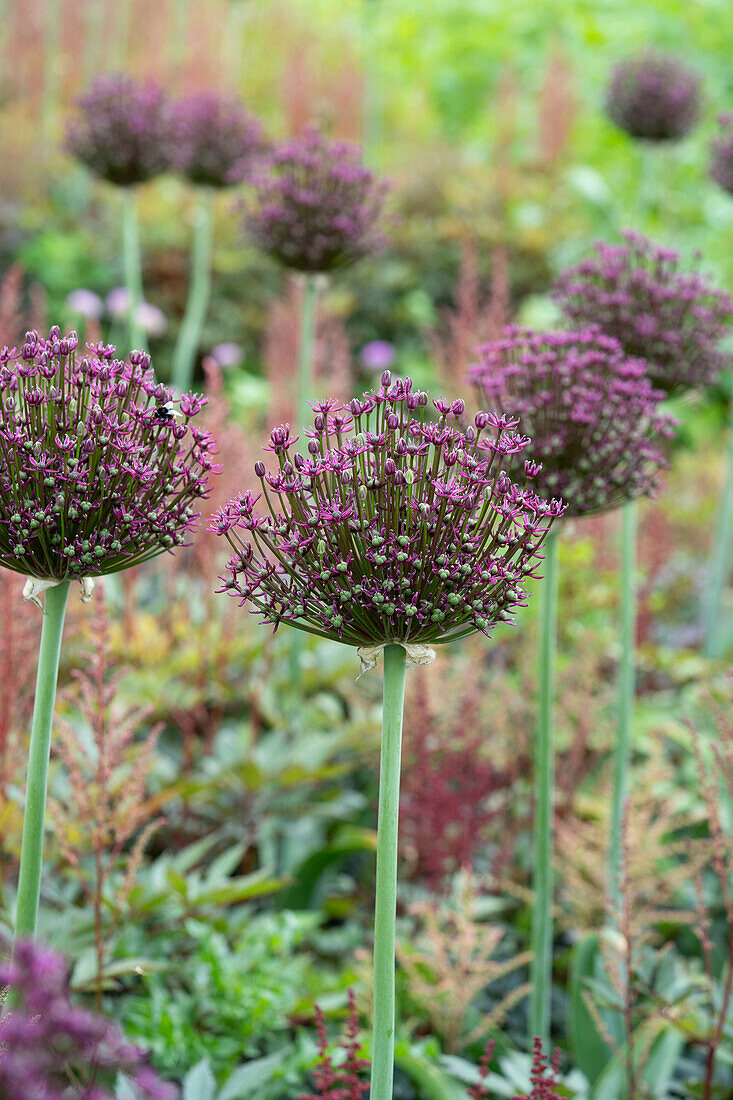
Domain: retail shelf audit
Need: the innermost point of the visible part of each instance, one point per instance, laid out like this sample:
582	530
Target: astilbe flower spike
392	528
343	1083
51	1050
639	294
654	97
721	168
98	469
210	136
122	132
316	207
591	413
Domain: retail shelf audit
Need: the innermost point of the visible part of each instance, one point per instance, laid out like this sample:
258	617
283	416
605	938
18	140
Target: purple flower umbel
98	469
210	136
317	207
50	1049
591	413
654	97
122	132
638	293
392	527
721	168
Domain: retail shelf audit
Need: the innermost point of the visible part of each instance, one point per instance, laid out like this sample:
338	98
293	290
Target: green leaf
348	840
589	1050
244	1082
199	1083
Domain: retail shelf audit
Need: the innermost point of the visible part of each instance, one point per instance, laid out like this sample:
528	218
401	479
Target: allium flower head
654	97
721	168
211	136
317	207
85	303
591	413
122	132
377	355
637	293
390	526
46	1042
98	469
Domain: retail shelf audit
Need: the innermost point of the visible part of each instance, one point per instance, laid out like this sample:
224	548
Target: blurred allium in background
590	411
721	167
121	133
317	207
639	294
85	303
96	471
377	355
210	136
228	354
654	96
393	527
49	1047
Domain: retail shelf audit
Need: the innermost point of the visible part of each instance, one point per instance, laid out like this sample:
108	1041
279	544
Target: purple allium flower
317	207
211	136
377	355
122	133
46	1042
654	97
98	470
118	302
85	303
227	354
637	293
151	319
721	168
390	526
590	410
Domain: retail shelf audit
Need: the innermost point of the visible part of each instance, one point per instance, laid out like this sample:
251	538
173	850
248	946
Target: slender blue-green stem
306	355
189	335
544	779
720	558
385	905
133	264
31	854
626	690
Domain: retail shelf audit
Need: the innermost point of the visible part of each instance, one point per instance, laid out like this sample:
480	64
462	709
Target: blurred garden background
209	874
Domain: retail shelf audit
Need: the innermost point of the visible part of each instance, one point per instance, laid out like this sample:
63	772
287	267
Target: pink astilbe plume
544	1076
557	108
480	1091
341	1083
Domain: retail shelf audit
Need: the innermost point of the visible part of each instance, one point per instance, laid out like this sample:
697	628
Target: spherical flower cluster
591	413
211	135
98	469
721	168
654	97
317	207
392	527
122	133
637	293
46	1042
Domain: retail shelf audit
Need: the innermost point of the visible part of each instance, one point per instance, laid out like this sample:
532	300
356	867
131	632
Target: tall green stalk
189	336
31	855
133	264
541	970
307	349
627	687
385	906
306	356
720	557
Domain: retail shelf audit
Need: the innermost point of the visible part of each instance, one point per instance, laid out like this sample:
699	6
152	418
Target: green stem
307	349
720	557
627	687
31	855
385	906
133	264
541	970
189	336
306	355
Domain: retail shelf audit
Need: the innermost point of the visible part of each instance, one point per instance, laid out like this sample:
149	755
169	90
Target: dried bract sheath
390	525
